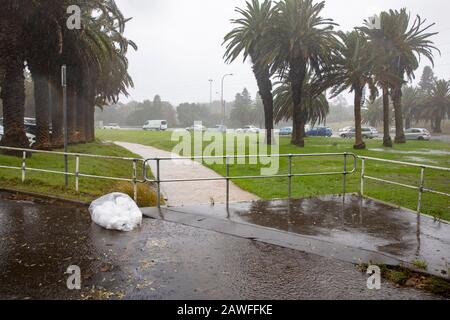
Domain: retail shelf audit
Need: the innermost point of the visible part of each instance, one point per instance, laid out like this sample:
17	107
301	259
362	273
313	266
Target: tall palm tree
13	14
352	69
300	40
437	103
315	106
43	36
405	44
248	39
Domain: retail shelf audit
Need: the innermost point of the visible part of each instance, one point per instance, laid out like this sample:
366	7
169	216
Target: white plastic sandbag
116	211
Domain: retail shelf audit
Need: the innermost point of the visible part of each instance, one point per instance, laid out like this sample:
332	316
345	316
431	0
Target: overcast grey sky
180	43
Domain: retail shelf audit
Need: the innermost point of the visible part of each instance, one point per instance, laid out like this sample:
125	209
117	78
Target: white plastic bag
116	211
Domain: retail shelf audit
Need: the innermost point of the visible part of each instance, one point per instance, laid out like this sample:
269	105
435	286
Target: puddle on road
354	222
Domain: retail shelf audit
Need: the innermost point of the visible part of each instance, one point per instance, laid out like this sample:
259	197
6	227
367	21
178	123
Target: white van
157	125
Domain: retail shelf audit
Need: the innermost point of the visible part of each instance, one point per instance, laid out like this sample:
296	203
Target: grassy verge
432	153
53	184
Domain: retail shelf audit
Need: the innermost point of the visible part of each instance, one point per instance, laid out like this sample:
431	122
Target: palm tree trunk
13	96
297	77
81	118
387	141
359	143
262	76
437	125
399	130
41	101
71	115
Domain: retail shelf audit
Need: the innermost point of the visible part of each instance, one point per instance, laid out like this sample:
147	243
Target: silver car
417	134
366	132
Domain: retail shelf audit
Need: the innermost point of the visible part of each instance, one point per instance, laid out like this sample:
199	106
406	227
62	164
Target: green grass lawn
53	184
431	153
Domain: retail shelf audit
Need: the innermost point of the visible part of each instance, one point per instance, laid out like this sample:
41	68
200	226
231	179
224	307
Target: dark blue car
319	132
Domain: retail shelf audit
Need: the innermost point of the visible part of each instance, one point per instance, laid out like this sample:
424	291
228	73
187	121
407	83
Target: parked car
112	126
248	129
417	134
366	132
196	127
319	132
287	131
157	125
218	128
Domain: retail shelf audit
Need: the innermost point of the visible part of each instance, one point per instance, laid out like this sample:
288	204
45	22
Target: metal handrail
420	188
134	179
228	178
77	174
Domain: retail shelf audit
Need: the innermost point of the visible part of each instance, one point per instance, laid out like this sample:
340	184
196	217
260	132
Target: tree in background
249	38
373	114
437	101
405	44
352	70
243	112
188	113
315	107
412	102
427	79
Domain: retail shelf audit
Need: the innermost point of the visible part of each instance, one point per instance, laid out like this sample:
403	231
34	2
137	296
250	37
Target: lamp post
210	91
64	88
223	102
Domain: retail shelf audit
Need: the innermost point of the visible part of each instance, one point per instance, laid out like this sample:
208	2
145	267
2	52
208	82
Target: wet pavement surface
161	260
353	223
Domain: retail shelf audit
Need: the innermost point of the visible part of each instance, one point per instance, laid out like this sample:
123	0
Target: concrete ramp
351	229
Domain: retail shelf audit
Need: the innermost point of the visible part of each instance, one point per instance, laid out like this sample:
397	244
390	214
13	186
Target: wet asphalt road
161	260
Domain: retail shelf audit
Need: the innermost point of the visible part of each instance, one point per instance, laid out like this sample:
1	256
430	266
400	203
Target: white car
248	129
158	125
112	126
417	134
196	128
366	132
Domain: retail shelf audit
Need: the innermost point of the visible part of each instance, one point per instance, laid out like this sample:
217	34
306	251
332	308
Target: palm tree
437	103
43	36
352	69
315	106
12	17
412	102
300	40
248	38
373	115
405	44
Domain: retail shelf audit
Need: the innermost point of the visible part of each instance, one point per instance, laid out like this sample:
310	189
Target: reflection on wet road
161	260
355	222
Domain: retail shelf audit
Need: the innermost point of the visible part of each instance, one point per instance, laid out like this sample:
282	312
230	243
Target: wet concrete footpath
351	229
161	260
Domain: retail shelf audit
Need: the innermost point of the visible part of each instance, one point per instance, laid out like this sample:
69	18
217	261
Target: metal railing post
228	181
24	165
363	169
345	174
290	176
77	172
422	181
158	182
134	181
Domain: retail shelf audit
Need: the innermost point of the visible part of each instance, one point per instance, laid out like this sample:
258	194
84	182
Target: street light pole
64	88
223	102
210	92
